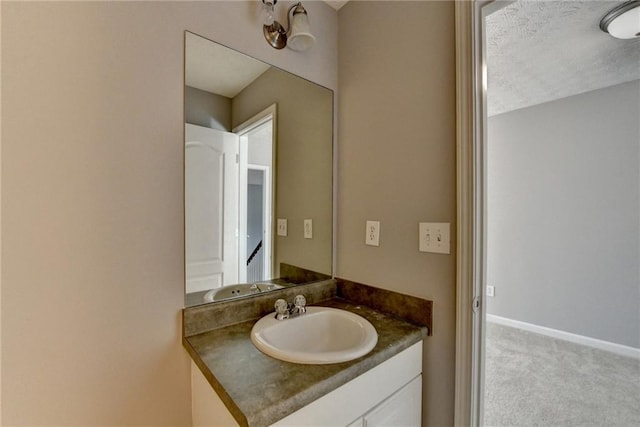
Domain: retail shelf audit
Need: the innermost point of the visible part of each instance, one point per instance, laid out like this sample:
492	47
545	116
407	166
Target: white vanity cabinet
390	394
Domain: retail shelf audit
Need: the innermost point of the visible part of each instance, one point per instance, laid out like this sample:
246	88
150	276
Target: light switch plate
434	237
372	237
282	227
308	229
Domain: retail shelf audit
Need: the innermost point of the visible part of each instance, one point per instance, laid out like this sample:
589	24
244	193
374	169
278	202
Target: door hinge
475	305
237	158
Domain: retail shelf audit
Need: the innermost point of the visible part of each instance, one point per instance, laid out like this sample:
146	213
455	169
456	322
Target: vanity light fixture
297	37
623	21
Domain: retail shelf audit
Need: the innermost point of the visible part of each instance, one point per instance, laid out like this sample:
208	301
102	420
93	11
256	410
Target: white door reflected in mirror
211	188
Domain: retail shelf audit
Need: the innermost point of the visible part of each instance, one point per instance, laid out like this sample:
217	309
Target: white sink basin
320	336
239	290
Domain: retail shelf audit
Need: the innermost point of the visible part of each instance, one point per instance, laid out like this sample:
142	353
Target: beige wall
92	142
304	159
396	154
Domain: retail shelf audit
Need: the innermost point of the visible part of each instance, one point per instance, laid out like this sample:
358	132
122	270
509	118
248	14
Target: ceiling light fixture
297	37
623	22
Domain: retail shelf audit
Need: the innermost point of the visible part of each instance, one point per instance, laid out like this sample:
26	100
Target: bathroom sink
239	290
320	336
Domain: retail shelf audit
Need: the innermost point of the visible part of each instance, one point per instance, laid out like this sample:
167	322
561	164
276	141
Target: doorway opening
256	162
258	223
570	297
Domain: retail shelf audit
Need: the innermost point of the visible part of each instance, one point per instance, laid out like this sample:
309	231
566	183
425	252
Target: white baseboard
567	336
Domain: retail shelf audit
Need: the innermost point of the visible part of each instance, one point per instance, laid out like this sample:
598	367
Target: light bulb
267	13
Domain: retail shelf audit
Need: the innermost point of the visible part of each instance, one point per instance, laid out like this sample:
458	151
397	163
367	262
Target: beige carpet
534	380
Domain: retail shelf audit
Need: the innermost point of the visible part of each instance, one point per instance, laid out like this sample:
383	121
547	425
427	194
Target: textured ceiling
539	51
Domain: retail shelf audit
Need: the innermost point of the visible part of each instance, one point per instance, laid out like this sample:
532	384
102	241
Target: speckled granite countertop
259	390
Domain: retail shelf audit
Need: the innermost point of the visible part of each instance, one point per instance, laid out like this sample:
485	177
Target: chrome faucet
285	310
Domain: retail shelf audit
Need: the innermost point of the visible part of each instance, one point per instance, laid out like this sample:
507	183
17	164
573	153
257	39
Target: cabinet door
402	409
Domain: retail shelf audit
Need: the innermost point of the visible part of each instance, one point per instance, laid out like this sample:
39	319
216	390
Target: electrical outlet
434	237
491	291
308	229
282	227
372	237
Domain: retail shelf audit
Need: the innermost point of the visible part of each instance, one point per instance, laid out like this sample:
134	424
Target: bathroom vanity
235	383
259	215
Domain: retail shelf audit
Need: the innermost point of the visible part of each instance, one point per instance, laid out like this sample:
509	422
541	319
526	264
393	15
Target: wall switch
373	233
308	229
434	237
282	227
490	291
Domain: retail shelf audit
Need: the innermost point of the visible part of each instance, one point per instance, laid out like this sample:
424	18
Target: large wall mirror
258	175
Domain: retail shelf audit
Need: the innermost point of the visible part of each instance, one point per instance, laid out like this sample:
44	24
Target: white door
211	208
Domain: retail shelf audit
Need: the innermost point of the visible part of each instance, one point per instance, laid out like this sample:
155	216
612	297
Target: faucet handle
299	303
282	309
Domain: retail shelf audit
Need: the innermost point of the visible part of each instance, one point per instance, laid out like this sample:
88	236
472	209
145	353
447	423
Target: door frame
471	91
268	114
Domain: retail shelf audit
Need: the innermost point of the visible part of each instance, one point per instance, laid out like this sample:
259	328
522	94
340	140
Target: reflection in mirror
258	152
